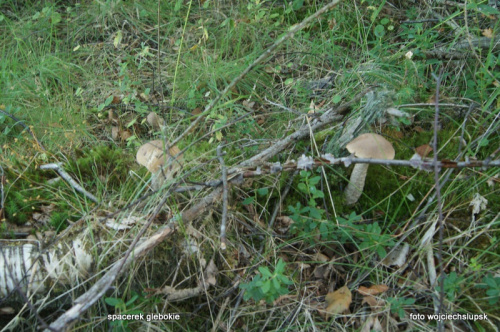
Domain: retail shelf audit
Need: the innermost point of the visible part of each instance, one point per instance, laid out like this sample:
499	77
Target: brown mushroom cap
371	146
365	146
152	155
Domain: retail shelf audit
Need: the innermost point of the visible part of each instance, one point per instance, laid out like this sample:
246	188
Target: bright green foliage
452	285
309	220
397	305
492	284
58	220
123	308
266	285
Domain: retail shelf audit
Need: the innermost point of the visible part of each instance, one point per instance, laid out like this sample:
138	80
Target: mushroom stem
356	183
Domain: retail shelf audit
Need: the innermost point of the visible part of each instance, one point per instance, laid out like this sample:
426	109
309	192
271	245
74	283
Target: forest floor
248	229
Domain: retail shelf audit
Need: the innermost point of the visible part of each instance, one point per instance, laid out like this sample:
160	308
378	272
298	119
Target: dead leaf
196	111
491	181
488	33
478	203
7	311
338	301
423	150
321	258
374	303
116	100
372	324
372	290
210	274
47	209
397	257
125	134
115	133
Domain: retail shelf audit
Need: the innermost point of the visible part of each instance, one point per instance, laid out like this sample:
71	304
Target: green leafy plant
123	308
308	218
398	304
492	284
266	285
452	285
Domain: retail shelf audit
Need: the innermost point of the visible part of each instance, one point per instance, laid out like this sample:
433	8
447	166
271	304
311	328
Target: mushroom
153	156
365	146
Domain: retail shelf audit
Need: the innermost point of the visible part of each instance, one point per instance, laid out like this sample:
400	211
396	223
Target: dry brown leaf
210	273
338	301
116	100
488	33
374	303
125	134
397	257
321	258
423	150
371	324
372	290
196	111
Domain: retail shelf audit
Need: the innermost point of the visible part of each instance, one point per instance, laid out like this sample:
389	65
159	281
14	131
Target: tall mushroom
365	146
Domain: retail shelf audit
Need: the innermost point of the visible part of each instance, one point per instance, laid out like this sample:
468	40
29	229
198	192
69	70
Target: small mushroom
365	146
153	156
155	121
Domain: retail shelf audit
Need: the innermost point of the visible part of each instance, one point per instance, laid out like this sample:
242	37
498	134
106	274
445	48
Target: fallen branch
224	198
57	167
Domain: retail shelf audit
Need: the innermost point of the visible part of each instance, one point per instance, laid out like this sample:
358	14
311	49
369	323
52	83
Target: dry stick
2	200
434	105
439	203
57	167
261	58
224	198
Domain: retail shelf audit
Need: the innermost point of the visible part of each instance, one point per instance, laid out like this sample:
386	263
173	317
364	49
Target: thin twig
439	203
2	199
57	167
261	58
225	189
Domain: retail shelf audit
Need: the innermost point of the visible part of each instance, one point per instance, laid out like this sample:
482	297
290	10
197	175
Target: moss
104	163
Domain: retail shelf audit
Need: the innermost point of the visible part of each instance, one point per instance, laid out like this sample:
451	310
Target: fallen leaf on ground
338	301
374	303
372	324
423	150
372	290
397	257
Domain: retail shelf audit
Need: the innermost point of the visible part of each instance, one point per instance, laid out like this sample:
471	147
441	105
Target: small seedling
266	285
